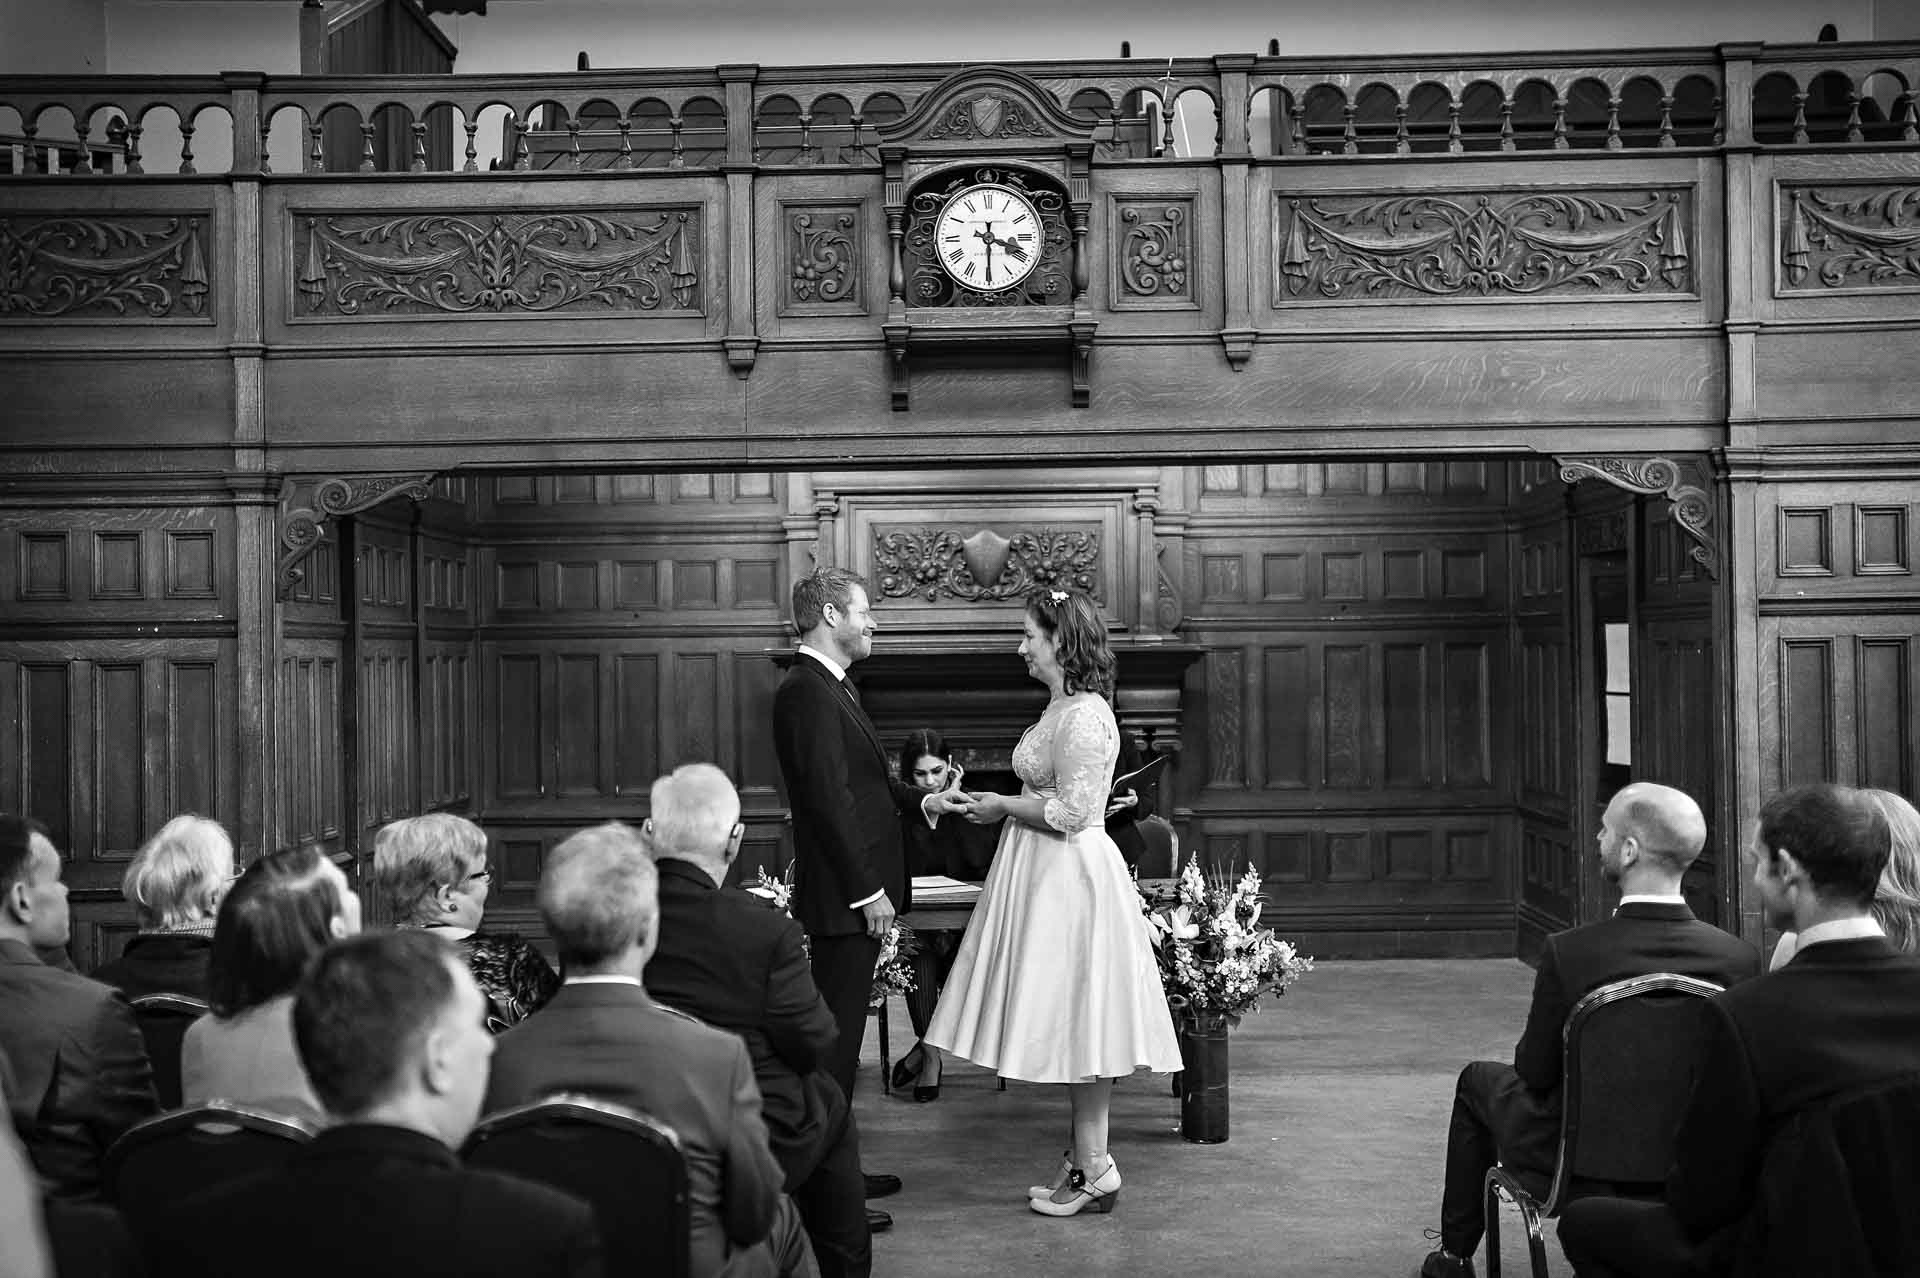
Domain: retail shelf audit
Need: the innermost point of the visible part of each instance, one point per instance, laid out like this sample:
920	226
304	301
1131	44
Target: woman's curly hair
1072	621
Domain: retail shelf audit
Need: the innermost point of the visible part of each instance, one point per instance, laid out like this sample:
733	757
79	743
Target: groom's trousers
1496	1119
843	971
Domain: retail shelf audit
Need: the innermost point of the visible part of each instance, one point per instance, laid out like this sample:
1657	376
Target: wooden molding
310	503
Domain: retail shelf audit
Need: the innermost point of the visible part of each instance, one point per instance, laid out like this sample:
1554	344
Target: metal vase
1203	1079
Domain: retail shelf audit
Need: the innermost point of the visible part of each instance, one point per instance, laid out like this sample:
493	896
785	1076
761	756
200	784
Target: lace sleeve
1084	747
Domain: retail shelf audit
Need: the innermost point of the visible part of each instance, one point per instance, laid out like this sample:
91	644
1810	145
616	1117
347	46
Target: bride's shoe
1059	1178
1083	1195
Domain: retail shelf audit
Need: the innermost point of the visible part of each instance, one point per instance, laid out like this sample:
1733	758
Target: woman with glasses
431	871
175	883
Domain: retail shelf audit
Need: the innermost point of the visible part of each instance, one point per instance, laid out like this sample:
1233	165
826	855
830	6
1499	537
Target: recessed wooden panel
43	566
189	563
1466	478
636	584
636	726
1404	713
1349	856
696	583
1406	477
1288	727
696	705
1469	854
577	723
573	488
1343	575
579	586
1220	479
1806	711
116	565
633	488
1403	574
754	680
1348	743
1881	667
309	798
193	736
1221	579
693	486
518	862
1880	540
753	485
518	584
1286	477
1409	855
515	490
119	763
1463	574
1465	713
1226	693
45	703
1227	852
518	729
1347	477
753	583
1289	857
1283	576
1806	542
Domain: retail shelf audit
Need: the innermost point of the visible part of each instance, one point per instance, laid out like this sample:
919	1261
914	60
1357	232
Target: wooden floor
1340	1099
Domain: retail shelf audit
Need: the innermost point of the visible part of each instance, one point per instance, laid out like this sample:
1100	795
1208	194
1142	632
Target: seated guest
23	1232
431	871
939	849
284	910
1896	899
1844	1014
79	1071
392	1032
1510	1114
728	959
603	1036
174	883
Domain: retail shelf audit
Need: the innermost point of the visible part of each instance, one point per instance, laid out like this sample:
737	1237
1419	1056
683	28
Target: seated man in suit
738	965
80	1070
1843	1014
391	1031
602	1035
1649	835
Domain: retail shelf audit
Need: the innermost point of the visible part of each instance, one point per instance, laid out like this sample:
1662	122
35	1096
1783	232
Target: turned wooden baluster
574	158
1349	136
859	147
29	160
1666	120
316	153
1613	122
1800	119
186	145
1854	133
806	139
675	123
1905	109
366	146
1506	124
1560	142
266	138
1454	145
1402	144
1166	134
133	148
472	126
418	164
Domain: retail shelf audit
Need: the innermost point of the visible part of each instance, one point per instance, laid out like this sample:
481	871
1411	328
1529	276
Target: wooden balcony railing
1735	96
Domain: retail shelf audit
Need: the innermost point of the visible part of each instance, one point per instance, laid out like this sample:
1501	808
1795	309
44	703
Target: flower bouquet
1215	960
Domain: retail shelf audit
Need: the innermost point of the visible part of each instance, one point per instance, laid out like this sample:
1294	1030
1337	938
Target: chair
157	1163
626	1163
1836	1190
1632	1050
163	1021
1161	859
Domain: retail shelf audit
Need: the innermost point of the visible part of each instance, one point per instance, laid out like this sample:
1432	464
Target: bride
1055	980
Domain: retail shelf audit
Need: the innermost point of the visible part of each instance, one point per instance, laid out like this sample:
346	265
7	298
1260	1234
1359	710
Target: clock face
988	237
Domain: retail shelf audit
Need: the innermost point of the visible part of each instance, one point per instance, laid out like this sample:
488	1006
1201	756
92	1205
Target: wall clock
988	237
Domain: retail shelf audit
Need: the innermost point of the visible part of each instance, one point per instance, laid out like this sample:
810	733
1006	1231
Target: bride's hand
986	807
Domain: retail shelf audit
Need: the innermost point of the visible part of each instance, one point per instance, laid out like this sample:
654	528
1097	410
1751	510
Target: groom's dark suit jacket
846	804
737	963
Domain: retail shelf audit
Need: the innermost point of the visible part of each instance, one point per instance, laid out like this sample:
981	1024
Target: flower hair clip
1056	596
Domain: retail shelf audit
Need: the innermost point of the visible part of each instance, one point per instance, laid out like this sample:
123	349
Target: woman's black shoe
907	1068
924	1094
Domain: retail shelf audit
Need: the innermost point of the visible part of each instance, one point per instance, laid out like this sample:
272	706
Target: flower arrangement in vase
1216	961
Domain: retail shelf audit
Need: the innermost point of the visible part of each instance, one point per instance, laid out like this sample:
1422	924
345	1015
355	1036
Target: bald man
1511	1113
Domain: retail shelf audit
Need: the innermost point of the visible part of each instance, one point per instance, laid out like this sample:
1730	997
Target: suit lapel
843	695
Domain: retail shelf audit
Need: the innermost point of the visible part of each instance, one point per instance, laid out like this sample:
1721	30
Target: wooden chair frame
1502	1183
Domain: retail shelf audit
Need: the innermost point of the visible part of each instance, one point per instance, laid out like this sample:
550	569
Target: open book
1127	781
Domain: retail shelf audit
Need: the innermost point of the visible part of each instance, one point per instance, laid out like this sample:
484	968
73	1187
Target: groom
851	877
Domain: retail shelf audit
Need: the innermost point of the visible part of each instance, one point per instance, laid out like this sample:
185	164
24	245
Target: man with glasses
727	958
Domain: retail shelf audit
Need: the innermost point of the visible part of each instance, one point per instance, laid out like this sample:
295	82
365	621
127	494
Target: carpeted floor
1340	1098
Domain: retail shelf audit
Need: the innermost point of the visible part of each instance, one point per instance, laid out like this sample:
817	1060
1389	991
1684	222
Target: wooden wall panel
307	738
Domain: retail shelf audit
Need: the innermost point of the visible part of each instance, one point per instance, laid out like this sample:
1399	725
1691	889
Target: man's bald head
1665	822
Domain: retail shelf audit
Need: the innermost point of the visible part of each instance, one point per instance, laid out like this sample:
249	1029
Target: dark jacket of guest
378	1202
160	963
612	1041
80	1075
1122	826
737	963
1840	1016
1641	937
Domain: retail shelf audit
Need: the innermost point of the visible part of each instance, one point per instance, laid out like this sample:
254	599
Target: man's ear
1788	868
19	901
436	1073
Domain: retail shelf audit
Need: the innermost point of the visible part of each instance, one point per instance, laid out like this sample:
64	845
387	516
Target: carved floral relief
823	252
985	117
1850	237
1154	254
936	563
1485	245
460	263
113	267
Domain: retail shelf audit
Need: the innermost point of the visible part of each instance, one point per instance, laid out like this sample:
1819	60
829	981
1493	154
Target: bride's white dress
1055	981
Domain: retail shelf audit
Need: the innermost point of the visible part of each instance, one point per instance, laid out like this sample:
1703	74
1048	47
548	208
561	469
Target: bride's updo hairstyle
1079	636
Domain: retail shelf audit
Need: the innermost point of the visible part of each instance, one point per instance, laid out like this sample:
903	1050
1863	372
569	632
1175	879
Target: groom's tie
851	690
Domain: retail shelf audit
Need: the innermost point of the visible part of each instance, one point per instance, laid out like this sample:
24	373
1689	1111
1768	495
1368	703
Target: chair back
159	1162
163	1021
626	1163
1837	1188
1632	1051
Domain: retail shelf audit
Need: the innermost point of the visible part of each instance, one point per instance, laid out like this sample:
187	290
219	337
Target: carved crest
986	554
983	565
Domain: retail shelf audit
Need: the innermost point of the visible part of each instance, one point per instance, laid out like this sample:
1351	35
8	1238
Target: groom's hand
944	801
879	912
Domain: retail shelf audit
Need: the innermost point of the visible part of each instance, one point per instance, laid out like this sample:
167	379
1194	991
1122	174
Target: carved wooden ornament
301	521
1656	477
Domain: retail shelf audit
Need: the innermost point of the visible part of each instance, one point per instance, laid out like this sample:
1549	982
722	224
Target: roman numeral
951	239
1024	235
968	206
956	255
969	271
1018	220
